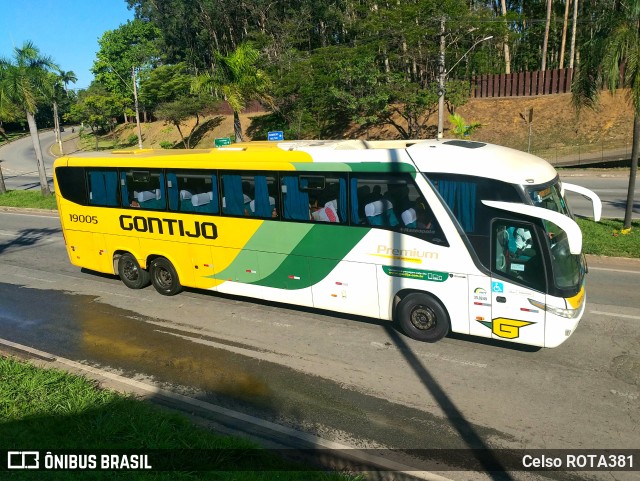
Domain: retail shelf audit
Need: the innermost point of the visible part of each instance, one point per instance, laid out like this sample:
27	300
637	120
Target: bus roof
430	156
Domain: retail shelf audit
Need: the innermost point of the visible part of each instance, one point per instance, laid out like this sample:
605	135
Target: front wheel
132	275
164	277
422	317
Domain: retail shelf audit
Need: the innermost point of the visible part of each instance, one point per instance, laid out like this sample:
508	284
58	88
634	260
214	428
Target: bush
165	144
132	139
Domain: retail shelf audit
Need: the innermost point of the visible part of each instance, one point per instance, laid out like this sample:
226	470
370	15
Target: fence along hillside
522	84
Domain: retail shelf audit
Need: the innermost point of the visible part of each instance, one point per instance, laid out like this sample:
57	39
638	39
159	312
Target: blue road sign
275	136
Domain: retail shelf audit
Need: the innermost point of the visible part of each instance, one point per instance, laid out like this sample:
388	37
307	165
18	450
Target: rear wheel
422	317
132	275
164	277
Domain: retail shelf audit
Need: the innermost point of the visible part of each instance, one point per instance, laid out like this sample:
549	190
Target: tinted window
314	197
516	254
143	189
464	196
393	202
103	187
193	191
250	194
71	183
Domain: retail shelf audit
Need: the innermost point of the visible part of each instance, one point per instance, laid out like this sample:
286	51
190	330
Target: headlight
558	311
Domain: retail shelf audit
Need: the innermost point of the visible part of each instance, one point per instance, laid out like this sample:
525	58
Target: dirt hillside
555	124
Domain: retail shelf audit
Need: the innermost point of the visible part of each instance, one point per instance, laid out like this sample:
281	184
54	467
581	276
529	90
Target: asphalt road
611	185
352	380
18	161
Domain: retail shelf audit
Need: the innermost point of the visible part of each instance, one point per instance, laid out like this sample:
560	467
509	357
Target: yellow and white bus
440	236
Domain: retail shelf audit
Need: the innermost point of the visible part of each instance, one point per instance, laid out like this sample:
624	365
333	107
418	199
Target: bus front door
517	279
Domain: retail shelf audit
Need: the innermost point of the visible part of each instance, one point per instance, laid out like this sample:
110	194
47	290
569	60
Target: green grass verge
608	238
28	198
604	238
47	409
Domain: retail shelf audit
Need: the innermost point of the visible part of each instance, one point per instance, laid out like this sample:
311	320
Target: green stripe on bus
321	167
317	254
379	167
271	237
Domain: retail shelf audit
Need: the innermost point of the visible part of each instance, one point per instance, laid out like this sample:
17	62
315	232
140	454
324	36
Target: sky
66	30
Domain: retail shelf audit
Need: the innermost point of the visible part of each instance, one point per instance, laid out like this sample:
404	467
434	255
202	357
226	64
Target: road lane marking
613	314
314	440
608	269
54	215
424	355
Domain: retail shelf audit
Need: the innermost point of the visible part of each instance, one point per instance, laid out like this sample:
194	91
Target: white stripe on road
612	270
614	314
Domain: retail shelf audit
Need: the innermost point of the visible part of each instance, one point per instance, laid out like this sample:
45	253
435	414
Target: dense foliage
325	69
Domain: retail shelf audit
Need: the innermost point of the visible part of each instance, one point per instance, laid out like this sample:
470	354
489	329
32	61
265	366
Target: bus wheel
423	318
132	275
164	277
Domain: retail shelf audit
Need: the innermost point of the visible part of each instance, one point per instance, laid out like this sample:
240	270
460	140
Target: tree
181	110
164	84
132	45
66	78
460	127
97	108
24	83
615	43
237	79
545	42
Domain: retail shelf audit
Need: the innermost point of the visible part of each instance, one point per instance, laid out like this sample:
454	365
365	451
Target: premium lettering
155	225
383	249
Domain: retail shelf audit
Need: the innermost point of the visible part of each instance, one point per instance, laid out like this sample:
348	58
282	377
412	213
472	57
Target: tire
422	317
131	274
164	277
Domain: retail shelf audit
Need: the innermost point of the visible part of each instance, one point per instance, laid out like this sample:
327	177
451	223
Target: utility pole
441	81
135	97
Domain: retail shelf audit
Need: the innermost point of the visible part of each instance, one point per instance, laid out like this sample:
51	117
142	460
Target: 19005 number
88	219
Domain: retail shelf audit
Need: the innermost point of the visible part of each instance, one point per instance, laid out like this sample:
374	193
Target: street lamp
443	76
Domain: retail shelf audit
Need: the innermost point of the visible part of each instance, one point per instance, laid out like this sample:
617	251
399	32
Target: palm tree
66	78
24	82
615	43
237	79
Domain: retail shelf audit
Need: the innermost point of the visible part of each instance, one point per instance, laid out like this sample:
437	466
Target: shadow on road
28	237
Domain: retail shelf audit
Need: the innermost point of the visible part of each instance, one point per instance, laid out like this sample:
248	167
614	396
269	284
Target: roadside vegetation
43	409
27	199
606	238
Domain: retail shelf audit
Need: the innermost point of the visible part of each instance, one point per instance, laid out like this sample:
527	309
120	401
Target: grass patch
607	238
28	198
45	409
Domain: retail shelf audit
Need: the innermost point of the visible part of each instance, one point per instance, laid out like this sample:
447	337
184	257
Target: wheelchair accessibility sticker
497	287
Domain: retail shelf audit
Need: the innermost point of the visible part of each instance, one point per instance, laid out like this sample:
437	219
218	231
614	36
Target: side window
191	191
143	189
463	194
314	197
250	194
393	202
516	254
72	185
103	187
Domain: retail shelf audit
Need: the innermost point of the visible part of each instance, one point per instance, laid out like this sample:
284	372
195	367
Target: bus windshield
568	269
549	197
